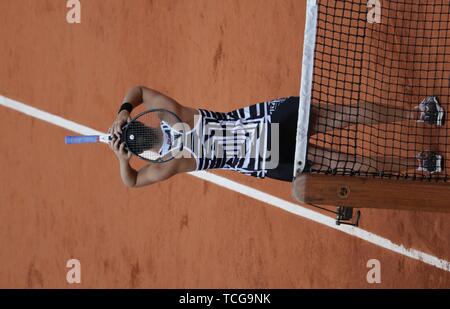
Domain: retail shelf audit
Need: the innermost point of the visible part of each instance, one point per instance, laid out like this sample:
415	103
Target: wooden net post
361	192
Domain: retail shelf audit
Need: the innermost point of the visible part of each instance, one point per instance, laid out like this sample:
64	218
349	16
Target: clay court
59	202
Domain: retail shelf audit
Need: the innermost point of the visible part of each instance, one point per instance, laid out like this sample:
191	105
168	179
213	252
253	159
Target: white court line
251	192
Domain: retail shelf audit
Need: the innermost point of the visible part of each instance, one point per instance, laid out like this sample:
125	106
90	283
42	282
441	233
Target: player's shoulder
187	115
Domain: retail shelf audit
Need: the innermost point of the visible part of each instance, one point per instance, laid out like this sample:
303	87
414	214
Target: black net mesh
367	79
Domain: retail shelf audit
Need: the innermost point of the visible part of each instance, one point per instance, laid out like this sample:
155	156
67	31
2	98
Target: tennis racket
155	135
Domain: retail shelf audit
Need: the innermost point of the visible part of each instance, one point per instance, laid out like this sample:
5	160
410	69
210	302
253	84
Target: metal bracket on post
344	215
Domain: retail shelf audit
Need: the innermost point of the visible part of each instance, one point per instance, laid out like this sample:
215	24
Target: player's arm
153	173
152	99
138	95
147	175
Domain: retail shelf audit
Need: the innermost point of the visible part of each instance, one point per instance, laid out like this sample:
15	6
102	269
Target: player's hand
119	149
122	118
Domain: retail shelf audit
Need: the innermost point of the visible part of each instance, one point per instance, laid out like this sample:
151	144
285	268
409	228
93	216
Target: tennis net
365	69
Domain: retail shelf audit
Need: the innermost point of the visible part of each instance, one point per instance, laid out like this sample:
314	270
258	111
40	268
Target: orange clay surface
59	202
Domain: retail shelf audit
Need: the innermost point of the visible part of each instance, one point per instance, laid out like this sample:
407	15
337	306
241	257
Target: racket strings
149	135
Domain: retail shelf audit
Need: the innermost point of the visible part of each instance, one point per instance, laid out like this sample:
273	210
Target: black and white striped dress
240	140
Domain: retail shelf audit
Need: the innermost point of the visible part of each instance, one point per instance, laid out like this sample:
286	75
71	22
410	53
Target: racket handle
81	139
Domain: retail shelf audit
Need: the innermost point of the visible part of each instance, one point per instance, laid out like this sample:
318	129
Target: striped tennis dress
257	140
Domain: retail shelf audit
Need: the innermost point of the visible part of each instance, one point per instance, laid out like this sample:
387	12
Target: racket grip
81	139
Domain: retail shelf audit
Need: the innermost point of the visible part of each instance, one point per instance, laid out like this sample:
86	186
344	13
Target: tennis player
258	140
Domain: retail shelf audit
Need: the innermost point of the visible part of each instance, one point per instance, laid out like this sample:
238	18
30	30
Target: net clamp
344	215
